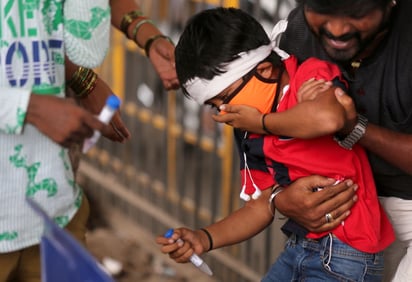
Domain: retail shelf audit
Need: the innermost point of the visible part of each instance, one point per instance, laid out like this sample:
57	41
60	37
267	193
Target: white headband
202	90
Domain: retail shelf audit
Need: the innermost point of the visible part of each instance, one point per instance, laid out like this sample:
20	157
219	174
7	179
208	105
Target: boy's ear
265	69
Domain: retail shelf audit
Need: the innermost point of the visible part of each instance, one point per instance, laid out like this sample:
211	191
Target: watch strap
356	134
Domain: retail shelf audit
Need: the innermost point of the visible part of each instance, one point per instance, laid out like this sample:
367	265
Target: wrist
264	126
276	190
355	134
128	19
83	82
207	243
149	43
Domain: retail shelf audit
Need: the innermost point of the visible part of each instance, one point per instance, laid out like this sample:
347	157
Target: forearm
381	142
119	9
306	120
243	223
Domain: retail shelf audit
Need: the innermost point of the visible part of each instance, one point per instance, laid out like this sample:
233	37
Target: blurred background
179	169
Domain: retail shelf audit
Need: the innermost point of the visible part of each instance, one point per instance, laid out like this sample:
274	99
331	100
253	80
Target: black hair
213	38
353	8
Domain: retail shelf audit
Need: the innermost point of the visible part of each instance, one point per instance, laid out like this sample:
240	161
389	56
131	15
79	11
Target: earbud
257	192
245	197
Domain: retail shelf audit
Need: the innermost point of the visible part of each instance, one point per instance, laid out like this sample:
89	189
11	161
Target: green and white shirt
31	165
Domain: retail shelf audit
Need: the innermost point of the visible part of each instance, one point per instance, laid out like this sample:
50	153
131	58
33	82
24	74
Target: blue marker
195	259
106	114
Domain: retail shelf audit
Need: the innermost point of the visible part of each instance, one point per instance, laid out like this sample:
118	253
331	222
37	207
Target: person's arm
239	226
308	119
140	29
95	99
380	141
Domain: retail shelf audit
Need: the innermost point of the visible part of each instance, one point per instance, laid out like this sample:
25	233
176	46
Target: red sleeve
311	68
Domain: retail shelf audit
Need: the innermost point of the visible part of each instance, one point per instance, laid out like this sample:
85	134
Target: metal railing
180	168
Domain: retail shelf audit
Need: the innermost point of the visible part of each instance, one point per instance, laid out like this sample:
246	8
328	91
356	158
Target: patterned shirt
31	165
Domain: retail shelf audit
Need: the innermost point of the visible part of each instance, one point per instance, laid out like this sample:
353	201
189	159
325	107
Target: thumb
342	97
228	108
346	102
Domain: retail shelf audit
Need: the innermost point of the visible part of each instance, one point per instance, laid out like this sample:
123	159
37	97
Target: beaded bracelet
152	39
209	237
83	82
127	19
138	26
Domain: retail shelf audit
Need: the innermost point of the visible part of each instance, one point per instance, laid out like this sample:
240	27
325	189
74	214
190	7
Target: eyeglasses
226	97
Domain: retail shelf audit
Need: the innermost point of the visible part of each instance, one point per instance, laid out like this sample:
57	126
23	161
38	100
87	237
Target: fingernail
356	187
349	182
339	91
355	198
222	107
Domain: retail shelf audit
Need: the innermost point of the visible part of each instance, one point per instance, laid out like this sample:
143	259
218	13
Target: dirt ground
136	263
136	252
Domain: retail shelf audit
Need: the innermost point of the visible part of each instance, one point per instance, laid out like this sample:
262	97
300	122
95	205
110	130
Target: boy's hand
242	117
310	89
181	250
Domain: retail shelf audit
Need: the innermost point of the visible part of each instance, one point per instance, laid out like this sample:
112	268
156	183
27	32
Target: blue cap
169	233
113	102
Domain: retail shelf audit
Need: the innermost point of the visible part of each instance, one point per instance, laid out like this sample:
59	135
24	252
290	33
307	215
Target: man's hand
61	119
309	209
117	131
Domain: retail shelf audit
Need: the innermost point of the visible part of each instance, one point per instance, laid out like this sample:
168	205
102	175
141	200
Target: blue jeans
310	260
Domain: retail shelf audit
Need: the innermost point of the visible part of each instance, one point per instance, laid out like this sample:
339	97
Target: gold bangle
137	27
127	19
152	39
83	82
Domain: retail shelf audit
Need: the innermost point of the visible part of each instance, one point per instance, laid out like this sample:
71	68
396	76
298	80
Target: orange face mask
257	92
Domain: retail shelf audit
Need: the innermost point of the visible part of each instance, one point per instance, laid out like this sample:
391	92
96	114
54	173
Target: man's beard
346	55
343	55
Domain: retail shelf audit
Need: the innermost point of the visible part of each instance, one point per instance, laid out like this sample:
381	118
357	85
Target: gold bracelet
152	39
127	19
83	82
137	27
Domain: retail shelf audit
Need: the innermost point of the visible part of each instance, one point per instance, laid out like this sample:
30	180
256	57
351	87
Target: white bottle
106	114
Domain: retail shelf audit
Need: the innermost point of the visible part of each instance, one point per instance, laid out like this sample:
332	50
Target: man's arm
394	147
379	140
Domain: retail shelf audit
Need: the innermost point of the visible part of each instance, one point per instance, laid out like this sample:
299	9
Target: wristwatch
356	134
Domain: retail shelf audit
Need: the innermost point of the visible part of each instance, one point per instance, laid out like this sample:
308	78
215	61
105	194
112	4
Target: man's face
345	36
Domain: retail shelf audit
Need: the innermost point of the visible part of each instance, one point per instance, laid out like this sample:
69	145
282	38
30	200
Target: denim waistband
332	244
